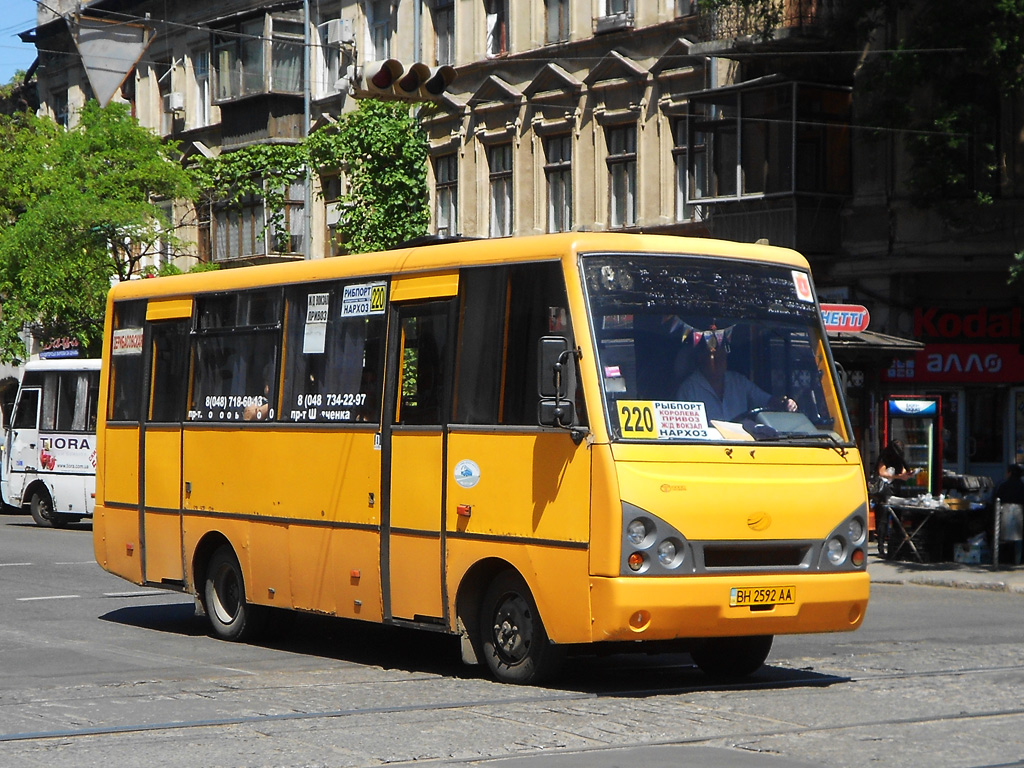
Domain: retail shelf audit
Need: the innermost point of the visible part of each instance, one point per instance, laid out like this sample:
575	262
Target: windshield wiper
834	443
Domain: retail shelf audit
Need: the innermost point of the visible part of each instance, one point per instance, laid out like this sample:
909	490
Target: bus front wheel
42	510
730	658
231	617
515	644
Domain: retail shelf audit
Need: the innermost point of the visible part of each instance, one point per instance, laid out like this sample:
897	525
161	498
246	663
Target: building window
238	230
286	55
558	169
557	20
686	7
204	249
163	250
163	72
238	60
444	32
622	174
202	95
379	24
446	174
61	113
288	234
614	7
497	26
690	179
239	53
500	161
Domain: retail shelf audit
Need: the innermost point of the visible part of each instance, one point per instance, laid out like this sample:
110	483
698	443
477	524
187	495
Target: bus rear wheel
231	617
514	642
730	658
42	510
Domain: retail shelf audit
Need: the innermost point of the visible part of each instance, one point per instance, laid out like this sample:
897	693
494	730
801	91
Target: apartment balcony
770	158
744	24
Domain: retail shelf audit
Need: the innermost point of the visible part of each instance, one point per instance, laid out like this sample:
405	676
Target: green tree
383	153
77	213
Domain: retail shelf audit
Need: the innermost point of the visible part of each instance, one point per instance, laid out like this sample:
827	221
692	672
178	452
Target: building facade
667	116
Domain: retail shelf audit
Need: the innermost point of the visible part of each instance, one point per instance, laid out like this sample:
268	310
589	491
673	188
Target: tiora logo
759	521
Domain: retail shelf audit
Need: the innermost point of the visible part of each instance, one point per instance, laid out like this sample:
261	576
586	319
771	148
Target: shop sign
65	346
845	318
961	364
985	324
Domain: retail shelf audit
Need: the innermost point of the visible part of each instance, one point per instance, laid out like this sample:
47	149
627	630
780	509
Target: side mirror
556	413
551	360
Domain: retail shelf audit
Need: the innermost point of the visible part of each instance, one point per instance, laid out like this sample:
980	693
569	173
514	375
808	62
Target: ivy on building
380	150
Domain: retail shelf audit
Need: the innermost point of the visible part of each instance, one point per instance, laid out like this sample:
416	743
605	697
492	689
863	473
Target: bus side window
170	371
126	363
93	379
27	410
334	366
235	355
480	350
538	306
503	313
424	365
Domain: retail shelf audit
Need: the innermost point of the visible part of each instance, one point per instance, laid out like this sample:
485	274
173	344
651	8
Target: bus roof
64	364
436	258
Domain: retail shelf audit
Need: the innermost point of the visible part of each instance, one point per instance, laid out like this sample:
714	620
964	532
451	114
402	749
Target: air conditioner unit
614	23
339	32
174	101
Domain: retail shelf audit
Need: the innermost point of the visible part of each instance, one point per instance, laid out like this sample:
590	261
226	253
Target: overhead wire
534	59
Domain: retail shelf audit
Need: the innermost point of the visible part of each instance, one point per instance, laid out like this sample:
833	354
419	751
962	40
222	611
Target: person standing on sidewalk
890	471
1011	491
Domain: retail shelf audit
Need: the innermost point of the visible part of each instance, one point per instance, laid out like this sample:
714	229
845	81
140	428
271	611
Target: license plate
756	596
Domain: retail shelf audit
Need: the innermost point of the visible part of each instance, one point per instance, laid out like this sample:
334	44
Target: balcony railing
763	19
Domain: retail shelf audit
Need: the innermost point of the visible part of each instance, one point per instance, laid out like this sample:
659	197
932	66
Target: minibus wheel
515	644
42	510
729	658
231	617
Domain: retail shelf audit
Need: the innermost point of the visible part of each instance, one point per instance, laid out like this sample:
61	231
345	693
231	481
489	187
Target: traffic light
389	80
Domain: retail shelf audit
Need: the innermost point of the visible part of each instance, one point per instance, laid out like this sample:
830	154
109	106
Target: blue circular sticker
467	473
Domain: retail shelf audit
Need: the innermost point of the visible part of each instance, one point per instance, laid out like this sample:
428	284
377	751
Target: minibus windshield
699	349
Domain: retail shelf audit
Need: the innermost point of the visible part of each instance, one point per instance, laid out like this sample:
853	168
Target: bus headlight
670	553
857	530
637	532
835	550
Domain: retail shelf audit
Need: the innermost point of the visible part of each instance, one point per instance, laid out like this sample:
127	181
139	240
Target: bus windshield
699	349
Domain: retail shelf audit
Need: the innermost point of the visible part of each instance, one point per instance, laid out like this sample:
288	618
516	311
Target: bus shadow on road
641	674
172	618
416	651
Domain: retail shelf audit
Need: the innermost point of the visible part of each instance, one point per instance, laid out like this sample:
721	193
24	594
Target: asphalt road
97	672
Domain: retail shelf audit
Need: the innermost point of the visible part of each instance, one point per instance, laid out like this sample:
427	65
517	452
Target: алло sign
973	347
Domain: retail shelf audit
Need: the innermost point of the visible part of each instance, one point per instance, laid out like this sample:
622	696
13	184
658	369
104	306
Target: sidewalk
1007	579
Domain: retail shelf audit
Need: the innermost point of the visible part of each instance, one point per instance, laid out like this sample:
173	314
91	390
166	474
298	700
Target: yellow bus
518	441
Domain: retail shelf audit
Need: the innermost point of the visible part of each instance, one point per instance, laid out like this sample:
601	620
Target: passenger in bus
726	394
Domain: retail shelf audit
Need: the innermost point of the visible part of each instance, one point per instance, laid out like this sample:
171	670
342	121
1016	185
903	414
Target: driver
726	394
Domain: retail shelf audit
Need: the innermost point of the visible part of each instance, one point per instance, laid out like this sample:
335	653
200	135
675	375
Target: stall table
924	528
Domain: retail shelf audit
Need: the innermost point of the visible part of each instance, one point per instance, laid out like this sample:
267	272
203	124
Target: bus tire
731	658
515	645
41	508
231	617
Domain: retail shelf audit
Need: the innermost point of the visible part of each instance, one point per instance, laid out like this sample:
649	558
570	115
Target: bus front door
413	443
23	459
160	459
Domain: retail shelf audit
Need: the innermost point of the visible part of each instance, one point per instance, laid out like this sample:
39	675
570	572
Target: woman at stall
890	471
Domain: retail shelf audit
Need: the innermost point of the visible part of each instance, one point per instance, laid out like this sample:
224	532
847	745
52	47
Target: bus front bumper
629	609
